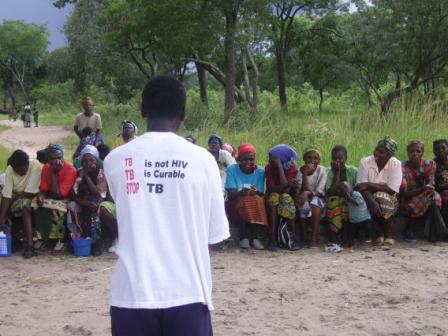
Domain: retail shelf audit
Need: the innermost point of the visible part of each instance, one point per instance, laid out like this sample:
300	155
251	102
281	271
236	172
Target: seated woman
128	132
92	203
21	185
311	180
281	174
57	180
335	190
222	157
378	181
417	191
440	149
245	188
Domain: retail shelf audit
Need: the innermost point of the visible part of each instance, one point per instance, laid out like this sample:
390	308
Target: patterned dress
416	206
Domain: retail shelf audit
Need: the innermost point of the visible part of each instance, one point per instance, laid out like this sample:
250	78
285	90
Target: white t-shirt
169	208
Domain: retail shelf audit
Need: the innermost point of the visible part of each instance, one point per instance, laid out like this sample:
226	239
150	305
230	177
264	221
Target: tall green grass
345	119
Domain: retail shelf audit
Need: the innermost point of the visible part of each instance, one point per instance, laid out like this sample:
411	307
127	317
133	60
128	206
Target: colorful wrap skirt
336	212
417	206
284	203
50	219
388	203
250	209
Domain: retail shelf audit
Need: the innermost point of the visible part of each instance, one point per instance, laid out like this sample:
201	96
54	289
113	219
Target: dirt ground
368	291
30	139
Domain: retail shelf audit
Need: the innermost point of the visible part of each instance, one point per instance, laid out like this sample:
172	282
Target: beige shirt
16	184
83	121
316	181
390	175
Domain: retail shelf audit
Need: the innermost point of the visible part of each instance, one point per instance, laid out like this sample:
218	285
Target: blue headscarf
215	137
54	147
284	153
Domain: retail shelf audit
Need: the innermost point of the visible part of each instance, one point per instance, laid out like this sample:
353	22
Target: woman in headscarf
222	157
281	174
245	188
128	132
57	180
379	179
440	149
335	190
311	180
417	191
91	198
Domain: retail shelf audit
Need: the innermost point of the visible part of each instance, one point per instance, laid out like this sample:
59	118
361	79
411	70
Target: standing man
169	208
88	118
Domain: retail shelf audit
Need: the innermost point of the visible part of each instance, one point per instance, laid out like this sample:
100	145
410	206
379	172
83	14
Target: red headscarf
245	148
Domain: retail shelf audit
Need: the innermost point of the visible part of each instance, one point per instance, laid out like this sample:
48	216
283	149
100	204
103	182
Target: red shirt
65	178
272	176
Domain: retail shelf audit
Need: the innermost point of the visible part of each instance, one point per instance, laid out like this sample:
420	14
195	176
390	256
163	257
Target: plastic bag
435	227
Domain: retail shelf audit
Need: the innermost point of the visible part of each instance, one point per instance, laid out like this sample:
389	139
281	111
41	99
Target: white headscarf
89	149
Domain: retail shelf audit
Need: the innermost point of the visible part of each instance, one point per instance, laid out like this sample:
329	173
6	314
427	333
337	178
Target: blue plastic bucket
5	241
81	247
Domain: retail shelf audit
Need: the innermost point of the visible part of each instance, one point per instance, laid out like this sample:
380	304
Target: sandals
379	241
333	248
59	248
389	242
39	245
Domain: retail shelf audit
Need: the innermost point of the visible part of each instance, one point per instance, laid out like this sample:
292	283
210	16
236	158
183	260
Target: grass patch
345	120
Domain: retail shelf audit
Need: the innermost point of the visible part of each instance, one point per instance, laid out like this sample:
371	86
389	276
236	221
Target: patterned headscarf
215	137
55	147
388	143
129	122
284	153
89	149
309	150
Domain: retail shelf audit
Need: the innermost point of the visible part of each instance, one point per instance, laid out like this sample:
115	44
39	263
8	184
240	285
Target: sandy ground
368	291
30	139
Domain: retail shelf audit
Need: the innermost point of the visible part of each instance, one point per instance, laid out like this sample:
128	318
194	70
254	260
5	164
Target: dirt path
30	139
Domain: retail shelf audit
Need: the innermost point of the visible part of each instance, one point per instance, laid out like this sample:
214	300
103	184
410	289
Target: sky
38	11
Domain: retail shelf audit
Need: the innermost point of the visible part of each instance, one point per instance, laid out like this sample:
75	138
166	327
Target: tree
22	50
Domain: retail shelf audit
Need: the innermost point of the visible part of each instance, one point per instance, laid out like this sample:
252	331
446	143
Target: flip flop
379	241
333	248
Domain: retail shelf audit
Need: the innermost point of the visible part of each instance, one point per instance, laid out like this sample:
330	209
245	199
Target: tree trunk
5	99
246	82
254	80
229	46
321	102
281	74
202	79
13	98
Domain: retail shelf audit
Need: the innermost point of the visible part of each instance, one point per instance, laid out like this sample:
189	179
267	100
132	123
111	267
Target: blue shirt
358	213
236	179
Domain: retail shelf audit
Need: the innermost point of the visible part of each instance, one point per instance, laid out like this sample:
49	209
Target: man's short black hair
163	97
18	159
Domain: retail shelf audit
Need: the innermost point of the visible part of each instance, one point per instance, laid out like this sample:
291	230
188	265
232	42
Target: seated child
359	215
310	202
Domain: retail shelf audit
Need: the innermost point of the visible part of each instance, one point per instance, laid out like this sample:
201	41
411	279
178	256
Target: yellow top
120	141
29	183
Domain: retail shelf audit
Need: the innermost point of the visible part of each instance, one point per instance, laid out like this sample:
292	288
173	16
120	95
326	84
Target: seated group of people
354	204
56	200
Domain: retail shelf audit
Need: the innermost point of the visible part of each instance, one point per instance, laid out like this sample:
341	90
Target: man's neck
163	125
